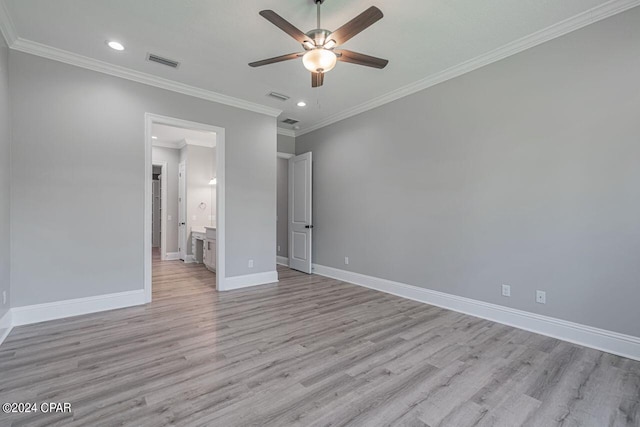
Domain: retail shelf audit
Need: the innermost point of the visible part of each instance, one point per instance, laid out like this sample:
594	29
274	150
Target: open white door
155	213
182	211
300	225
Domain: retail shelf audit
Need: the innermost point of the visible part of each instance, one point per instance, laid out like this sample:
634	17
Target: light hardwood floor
308	351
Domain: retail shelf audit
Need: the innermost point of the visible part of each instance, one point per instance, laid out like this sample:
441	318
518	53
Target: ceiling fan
320	55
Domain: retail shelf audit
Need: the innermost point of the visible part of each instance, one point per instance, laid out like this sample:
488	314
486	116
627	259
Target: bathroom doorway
190	153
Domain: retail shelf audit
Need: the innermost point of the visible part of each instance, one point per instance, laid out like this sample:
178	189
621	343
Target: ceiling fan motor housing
319	36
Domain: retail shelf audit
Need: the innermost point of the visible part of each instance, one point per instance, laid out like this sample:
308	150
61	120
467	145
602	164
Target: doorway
300	212
151	121
294	227
159	208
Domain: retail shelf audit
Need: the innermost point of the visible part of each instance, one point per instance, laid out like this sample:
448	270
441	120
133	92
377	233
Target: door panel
182	211
300	211
300	225
300	246
155	214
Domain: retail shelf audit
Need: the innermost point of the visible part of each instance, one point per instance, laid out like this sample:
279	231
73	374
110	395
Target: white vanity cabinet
209	247
197	249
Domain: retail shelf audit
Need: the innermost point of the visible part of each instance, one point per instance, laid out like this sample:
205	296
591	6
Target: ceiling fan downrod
318	35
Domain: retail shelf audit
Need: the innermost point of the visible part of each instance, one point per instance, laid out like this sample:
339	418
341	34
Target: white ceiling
215	39
175	137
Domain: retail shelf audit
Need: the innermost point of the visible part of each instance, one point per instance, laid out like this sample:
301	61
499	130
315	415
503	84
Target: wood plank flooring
309	351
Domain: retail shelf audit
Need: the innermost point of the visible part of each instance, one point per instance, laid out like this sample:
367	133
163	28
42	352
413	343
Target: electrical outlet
346	260
541	297
4	297
250	264
278	248
168	217
194	217
506	290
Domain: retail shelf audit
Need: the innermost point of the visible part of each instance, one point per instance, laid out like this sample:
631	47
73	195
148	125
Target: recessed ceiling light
302	104
154	137
115	45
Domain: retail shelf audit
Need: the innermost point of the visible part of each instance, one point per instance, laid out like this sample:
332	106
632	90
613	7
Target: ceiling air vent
290	121
278	96
164	61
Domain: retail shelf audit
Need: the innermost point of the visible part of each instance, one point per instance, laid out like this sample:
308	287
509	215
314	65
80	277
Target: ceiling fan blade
356	25
317	79
360	59
284	25
276	59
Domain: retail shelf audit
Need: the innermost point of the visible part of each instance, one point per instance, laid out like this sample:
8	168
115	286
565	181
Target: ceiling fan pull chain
318	4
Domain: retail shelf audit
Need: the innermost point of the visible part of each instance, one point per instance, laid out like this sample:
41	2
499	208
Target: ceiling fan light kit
319	60
320	55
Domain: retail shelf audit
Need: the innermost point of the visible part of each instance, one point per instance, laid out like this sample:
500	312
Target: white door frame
282	260
164	181
151	119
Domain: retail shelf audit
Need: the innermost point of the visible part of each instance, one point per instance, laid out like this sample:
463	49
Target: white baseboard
239	282
6	324
189	259
172	256
599	339
282	260
75	307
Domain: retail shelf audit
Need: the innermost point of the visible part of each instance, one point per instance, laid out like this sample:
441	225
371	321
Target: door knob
308	226
183	223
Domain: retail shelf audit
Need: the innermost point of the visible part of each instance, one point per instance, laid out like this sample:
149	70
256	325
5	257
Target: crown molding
183	143
171	145
49	52
286	132
7	28
576	22
199	143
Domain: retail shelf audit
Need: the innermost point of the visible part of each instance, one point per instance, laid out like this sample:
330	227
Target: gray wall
172	157
75	131
286	144
5	152
525	172
283	208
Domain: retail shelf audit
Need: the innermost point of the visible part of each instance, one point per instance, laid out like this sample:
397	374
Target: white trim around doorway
151	119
